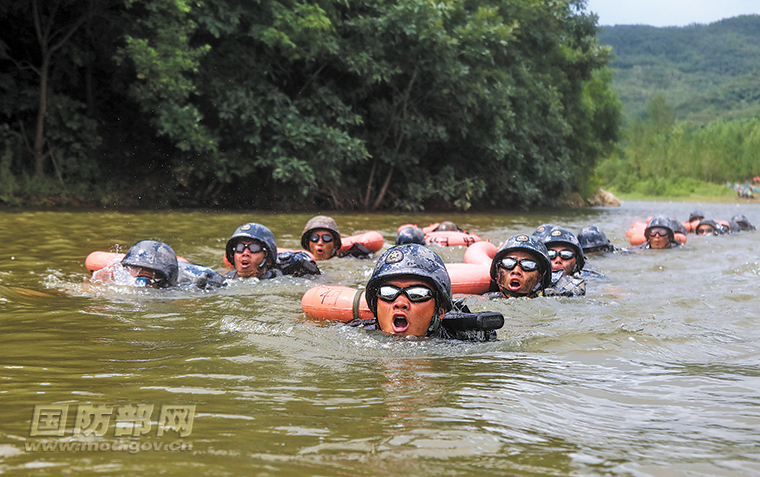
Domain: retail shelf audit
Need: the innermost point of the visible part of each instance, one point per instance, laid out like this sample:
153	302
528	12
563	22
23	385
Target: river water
655	372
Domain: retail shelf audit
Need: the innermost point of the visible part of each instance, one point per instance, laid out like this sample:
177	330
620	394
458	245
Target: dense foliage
372	104
706	72
665	157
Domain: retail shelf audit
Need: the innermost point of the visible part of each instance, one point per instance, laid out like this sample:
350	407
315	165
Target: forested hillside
704	72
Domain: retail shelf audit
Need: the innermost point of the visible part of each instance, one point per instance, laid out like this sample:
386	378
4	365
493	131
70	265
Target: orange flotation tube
335	303
97	260
372	240
691	227
480	252
469	278
451	239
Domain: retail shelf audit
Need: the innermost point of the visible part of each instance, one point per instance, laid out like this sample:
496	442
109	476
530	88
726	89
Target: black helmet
411	260
592	237
156	256
410	234
256	232
558	235
696	215
741	222
543	230
447	227
532	245
716	228
678	227
320	222
660	221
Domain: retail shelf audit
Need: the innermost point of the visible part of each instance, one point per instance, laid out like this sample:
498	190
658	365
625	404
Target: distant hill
705	72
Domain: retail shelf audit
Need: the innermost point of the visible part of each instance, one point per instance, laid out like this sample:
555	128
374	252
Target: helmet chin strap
435	322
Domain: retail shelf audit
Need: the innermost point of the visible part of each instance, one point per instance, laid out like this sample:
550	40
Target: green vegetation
692	104
273	104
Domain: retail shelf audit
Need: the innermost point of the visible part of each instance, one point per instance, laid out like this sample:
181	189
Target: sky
661	13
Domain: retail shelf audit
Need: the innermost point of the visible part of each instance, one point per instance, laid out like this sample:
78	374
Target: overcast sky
669	12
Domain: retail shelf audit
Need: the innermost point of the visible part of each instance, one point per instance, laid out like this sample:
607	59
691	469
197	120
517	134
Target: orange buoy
97	260
635	234
430	228
372	240
451	239
691	227
407	225
469	278
334	303
480	252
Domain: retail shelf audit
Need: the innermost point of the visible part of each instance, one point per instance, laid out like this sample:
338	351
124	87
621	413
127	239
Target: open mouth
514	285
400	324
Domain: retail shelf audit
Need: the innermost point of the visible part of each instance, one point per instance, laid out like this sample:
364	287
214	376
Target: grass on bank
682	190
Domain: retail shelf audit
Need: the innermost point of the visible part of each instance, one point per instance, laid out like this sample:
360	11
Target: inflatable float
469	278
445	238
636	236
372	240
480	253
97	260
451	239
335	303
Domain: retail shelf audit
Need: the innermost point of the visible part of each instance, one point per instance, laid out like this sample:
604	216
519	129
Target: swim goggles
415	293
662	232
144	277
565	254
326	238
526	264
252	247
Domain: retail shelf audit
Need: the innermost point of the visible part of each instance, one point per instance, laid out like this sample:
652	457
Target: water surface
655	372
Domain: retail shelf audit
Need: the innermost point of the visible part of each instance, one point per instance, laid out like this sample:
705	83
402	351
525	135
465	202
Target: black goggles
252	247
565	254
526	264
658	231
326	238
415	293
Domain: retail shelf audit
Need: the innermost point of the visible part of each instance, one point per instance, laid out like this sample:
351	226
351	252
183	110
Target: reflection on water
654	372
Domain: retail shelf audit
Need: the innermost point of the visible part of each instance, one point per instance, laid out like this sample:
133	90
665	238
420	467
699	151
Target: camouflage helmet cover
593	237
410	234
558	235
530	244
411	260
320	222
256	232
156	256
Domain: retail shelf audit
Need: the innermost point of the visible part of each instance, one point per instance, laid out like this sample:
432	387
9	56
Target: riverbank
729	198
